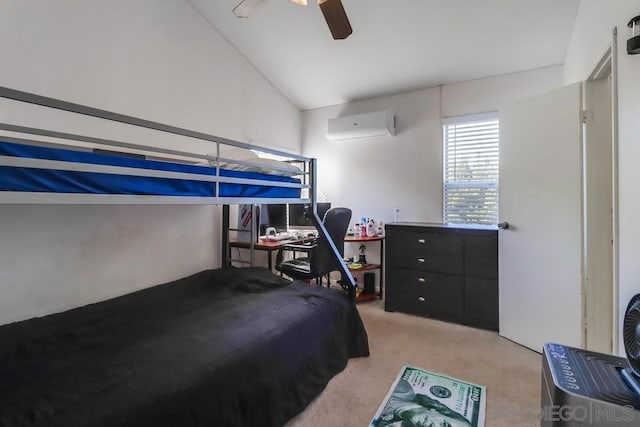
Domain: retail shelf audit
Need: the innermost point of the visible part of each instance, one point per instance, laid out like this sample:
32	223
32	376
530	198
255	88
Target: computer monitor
273	216
299	214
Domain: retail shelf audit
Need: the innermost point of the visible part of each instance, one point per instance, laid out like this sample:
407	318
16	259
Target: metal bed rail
214	161
309	181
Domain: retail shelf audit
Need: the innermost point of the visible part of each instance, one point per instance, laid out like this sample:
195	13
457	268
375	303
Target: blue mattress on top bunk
34	179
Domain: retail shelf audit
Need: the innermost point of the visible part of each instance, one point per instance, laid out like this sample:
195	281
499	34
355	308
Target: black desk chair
318	260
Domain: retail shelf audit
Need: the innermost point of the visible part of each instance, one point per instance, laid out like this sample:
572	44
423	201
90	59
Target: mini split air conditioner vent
361	126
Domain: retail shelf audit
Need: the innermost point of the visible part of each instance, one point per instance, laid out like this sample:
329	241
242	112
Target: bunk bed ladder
346	281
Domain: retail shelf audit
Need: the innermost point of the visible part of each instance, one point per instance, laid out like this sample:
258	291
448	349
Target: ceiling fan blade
336	18
245	8
302	2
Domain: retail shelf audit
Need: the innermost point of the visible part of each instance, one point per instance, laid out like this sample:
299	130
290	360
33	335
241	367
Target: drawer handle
421	280
422	299
422	241
422	260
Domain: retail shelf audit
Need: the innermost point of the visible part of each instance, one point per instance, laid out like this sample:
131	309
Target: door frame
606	67
614	189
597	217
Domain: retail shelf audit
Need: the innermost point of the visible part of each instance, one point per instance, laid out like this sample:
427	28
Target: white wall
492	93
592	34
373	176
155	59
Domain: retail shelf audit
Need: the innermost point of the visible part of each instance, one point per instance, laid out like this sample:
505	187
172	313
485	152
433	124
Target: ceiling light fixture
633	44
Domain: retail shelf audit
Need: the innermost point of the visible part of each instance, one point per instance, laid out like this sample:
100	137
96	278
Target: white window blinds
471	155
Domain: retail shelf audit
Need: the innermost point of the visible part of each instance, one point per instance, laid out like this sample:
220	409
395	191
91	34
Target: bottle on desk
363	226
371	228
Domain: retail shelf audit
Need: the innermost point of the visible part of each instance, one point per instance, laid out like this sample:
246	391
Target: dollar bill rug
419	398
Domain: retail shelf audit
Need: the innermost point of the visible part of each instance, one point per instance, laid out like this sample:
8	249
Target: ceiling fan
332	10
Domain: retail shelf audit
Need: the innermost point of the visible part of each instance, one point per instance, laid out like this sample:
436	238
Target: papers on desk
280	236
288	235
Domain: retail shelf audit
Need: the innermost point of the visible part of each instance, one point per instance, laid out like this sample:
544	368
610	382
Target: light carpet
510	372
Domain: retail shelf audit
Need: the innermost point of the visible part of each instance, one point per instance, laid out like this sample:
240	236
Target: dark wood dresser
444	272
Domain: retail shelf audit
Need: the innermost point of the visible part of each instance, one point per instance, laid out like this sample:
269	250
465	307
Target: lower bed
230	347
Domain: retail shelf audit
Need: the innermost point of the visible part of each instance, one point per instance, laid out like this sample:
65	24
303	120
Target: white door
540	197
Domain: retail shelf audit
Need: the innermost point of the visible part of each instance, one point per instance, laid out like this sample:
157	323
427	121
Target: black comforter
232	347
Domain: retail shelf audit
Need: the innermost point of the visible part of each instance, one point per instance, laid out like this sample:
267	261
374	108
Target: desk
366	267
268	245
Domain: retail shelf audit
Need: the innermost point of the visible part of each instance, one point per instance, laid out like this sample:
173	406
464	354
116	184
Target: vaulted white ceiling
396	45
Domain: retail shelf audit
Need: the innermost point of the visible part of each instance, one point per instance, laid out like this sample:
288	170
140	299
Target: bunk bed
232	346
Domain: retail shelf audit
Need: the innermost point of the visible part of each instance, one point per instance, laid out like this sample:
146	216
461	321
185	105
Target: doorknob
503	225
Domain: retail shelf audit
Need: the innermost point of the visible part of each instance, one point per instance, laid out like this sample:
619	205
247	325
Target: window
471	154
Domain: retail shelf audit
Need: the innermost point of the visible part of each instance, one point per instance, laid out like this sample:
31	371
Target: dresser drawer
481	255
481	246
481	303
426	261
425	242
482	267
426	294
443	272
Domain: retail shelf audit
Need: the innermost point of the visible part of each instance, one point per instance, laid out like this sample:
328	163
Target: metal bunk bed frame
309	183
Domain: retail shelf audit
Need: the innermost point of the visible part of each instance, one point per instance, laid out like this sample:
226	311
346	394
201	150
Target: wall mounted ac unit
360	126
